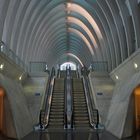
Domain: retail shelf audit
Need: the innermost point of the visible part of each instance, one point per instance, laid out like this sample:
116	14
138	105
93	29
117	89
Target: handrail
87	101
5	50
93	113
69	99
44	113
48	105
58	73
77	73
48	87
71	95
65	103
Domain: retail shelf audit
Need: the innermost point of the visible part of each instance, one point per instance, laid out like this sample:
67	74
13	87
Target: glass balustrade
10	54
99	66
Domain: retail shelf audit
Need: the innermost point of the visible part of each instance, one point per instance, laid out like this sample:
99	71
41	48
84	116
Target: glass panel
99	66
9	53
38	67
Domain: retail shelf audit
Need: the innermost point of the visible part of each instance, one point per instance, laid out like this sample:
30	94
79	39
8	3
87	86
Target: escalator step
56	120
82	115
82	122
58	103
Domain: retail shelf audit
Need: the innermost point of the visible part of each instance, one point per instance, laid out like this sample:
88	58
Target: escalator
81	117
68	103
62	73
73	74
56	117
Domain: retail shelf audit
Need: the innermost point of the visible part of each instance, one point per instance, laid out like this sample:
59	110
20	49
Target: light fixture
2	66
69	5
20	78
117	77
1	48
135	65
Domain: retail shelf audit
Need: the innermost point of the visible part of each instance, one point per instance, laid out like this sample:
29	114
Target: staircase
56	118
81	117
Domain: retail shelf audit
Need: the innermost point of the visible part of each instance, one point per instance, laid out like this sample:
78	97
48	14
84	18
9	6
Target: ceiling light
1	66
136	65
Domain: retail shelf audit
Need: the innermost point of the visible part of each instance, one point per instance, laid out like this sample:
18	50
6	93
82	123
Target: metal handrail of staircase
44	113
77	72
93	113
72	102
58	73
68	99
65	103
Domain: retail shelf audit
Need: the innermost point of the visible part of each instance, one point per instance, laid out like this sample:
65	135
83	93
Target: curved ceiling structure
81	31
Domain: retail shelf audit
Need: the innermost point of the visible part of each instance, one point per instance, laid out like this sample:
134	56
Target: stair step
56	124
80	104
82	122
58	103
56	118
56	113
79	101
57	109
82	115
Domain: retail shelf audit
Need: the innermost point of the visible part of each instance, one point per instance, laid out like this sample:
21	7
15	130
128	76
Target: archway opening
137	107
67	64
2	95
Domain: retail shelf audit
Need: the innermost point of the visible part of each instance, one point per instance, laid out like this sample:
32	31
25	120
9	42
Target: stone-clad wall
102	86
121	113
35	87
120	120
22	123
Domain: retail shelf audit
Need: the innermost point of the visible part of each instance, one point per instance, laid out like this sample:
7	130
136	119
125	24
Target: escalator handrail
58	73
47	88
68	92
48	105
72	102
47	99
77	73
87	101
65	103
90	104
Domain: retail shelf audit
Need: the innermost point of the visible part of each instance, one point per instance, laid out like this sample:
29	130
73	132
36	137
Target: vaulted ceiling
81	31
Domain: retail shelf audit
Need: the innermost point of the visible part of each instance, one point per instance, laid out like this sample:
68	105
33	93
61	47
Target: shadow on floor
72	135
5	138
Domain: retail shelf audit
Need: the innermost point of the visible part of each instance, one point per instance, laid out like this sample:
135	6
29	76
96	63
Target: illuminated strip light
74	56
83	37
83	26
78	9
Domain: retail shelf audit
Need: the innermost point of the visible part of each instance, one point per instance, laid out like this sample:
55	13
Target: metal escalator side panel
87	101
93	113
43	118
48	106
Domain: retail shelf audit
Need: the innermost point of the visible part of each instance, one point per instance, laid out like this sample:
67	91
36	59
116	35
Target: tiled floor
79	135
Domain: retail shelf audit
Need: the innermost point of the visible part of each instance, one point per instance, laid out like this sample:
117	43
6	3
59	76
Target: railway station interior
69	69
